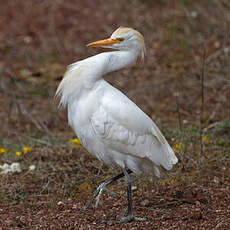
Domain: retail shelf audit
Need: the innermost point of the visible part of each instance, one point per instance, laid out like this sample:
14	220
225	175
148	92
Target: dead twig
202	102
178	110
211	126
21	108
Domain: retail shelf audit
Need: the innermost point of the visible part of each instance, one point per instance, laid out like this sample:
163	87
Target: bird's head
123	38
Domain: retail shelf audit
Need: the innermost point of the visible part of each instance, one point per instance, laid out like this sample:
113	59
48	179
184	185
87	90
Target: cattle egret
107	123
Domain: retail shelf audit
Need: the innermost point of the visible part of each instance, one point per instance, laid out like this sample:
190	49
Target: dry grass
38	39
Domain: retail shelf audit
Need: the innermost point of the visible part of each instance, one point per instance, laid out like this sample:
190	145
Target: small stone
145	202
60	203
198	204
32	167
27	39
194	14
25	72
217	44
216	180
134	188
226	49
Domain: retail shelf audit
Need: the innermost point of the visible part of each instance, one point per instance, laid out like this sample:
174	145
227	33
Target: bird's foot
96	195
124	219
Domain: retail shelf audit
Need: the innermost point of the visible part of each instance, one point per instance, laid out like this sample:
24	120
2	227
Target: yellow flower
25	149
181	148
178	147
204	138
18	154
75	141
2	150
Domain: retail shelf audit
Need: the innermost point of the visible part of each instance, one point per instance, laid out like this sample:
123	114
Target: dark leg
97	193
129	193
130	216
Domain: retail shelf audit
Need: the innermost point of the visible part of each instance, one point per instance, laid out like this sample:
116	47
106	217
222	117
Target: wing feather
123	127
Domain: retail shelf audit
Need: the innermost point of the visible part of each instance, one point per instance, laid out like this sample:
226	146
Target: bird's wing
125	128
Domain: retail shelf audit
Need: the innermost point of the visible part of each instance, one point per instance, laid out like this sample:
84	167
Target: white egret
108	124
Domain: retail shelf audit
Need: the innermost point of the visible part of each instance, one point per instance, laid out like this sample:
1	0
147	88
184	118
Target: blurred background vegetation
188	51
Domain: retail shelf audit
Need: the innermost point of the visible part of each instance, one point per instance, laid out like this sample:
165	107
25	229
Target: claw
97	193
98	198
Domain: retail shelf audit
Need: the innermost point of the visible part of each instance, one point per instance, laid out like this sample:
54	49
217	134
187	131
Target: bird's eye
120	39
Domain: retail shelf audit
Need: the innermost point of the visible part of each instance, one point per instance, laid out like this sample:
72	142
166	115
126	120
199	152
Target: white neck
84	75
117	60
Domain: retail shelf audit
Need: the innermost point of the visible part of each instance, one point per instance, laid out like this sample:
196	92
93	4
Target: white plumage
108	124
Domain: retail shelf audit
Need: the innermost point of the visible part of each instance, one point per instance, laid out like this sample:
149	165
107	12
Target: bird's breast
82	109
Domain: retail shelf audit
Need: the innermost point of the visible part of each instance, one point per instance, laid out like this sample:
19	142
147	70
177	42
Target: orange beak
105	42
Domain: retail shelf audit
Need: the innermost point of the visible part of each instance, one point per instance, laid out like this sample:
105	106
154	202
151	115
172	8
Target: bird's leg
97	193
130	216
129	194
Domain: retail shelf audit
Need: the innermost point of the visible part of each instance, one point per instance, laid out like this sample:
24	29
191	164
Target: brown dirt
39	38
